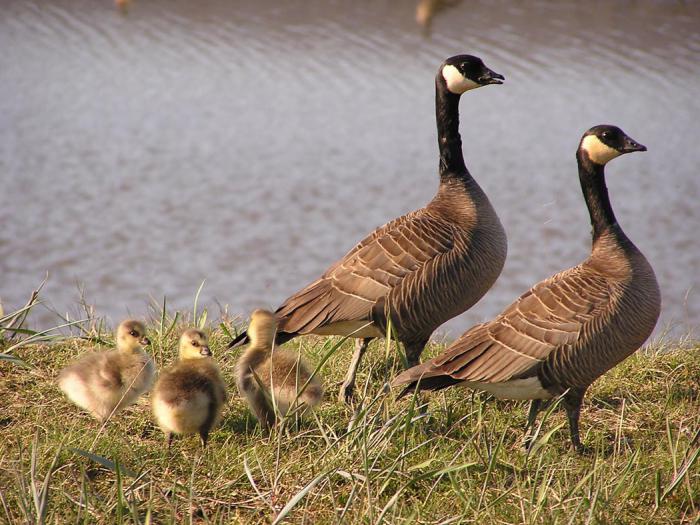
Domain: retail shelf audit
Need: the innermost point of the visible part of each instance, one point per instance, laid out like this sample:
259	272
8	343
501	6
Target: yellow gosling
189	397
103	383
264	372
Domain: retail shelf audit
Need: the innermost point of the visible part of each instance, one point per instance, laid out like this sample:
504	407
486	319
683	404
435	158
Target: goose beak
631	145
205	351
145	341
490	77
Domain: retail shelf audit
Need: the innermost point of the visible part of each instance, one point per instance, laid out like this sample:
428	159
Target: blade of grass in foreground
107	463
297	498
43	336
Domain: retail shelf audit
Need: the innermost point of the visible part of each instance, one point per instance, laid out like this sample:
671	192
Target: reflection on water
427	9
252	144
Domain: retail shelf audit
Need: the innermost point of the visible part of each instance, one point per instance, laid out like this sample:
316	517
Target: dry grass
459	462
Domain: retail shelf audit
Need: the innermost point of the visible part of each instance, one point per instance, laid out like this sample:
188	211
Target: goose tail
239	340
422	377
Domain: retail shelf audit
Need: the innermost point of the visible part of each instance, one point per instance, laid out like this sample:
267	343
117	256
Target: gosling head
131	336
194	344
464	72
262	328
601	144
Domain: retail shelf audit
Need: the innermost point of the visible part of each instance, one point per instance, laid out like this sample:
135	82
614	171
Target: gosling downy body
189	396
264	373
103	383
421	269
568	330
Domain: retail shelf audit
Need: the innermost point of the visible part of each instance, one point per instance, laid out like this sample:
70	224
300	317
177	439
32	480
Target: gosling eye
134	333
195	343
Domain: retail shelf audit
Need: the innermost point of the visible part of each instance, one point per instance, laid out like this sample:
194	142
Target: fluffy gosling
103	383
190	395
262	370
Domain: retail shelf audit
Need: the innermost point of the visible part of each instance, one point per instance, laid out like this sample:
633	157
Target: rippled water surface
252	143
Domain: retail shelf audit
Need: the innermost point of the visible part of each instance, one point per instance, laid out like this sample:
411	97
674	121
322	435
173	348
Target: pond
251	144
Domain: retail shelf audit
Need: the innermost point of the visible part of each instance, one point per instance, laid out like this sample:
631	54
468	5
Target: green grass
389	462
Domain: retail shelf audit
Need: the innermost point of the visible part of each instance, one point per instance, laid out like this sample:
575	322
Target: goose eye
606	134
195	343
134	333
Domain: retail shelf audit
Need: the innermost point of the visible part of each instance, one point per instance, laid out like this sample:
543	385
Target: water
252	145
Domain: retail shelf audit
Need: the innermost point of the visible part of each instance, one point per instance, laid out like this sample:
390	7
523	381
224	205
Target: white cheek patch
597	151
457	83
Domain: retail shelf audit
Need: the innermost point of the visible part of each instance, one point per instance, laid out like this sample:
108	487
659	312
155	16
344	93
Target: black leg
347	389
413	352
208	423
269	421
535	406
572	403
169	439
261	407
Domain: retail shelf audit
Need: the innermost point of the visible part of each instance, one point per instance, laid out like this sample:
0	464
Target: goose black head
194	344
464	72
604	142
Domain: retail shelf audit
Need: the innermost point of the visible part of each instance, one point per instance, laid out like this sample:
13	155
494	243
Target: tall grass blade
196	319
678	477
297	498
107	463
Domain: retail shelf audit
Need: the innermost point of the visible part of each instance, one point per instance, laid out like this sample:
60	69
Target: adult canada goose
424	267
189	397
104	383
264	373
568	330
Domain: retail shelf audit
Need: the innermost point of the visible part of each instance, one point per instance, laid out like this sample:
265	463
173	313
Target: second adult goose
422	268
568	330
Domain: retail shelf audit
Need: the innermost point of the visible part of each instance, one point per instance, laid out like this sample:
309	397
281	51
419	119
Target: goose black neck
450	143
592	178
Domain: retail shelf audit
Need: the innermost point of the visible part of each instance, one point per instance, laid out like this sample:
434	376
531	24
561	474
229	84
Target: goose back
566	331
424	267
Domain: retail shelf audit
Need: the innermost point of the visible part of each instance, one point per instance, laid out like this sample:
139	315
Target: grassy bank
459	462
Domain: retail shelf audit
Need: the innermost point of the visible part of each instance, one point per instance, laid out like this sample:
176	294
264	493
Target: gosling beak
490	77
631	145
205	351
145	341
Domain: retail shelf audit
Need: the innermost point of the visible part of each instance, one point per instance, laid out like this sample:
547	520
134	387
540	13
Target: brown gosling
265	373
189	396
104	383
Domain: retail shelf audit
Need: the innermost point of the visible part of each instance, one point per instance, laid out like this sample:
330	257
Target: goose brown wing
551	317
351	287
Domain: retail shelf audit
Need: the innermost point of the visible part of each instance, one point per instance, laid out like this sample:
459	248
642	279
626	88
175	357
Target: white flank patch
350	328
457	83
597	151
529	388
